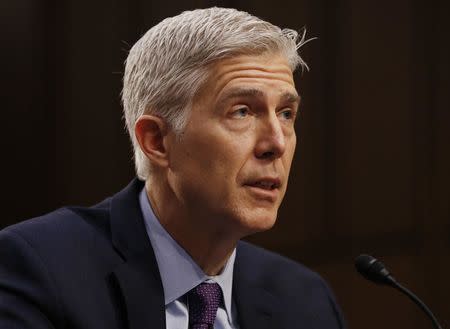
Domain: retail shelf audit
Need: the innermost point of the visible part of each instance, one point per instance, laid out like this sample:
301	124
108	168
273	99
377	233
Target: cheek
290	150
225	148
212	158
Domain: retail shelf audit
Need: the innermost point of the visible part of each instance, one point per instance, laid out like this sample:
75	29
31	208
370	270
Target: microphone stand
374	270
417	301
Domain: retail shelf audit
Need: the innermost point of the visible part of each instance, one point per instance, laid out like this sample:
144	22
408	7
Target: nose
271	141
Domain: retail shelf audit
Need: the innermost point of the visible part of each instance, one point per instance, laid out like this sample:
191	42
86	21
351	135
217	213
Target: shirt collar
179	272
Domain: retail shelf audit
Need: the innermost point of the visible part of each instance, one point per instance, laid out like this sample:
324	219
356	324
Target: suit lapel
256	307
137	279
141	288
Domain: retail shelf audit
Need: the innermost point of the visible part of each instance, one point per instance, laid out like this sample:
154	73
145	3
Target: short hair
169	64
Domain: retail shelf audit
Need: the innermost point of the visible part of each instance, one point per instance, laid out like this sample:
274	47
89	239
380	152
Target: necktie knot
204	300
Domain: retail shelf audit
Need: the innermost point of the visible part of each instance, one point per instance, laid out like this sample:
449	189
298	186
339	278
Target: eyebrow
287	96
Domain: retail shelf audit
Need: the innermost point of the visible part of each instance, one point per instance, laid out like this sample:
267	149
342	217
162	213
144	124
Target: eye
288	114
240	112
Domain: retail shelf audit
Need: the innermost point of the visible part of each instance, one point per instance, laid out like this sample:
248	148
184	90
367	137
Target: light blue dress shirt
179	274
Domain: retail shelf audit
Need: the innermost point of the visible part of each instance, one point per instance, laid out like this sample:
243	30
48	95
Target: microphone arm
375	271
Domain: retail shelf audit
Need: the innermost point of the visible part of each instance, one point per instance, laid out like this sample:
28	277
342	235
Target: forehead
269	73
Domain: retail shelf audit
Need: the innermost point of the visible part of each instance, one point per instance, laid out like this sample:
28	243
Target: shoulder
61	240
62	226
273	263
47	262
291	283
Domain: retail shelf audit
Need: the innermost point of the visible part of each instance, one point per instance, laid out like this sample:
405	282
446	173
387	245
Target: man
210	104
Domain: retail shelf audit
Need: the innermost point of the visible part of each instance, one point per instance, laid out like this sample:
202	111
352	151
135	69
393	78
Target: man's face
230	166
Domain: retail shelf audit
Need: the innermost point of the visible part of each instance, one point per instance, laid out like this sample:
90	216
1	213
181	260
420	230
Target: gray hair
169	64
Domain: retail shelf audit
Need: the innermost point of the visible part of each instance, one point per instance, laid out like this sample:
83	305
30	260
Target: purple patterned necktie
203	303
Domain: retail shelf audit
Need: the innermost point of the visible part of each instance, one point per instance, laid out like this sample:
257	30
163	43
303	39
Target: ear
151	131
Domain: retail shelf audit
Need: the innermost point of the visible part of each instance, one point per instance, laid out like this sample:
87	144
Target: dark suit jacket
94	268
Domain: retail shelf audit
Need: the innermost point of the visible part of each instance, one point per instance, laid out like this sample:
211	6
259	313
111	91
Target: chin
257	221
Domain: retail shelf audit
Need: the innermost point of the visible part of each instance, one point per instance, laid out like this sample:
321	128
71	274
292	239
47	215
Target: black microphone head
373	270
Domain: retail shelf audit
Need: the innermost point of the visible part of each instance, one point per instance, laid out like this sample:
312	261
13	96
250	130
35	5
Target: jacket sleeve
28	295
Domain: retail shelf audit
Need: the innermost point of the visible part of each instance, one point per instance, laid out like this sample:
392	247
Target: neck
208	246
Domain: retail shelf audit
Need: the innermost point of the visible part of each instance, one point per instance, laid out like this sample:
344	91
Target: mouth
265	183
264	188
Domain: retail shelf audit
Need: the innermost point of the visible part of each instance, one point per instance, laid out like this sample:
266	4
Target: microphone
375	271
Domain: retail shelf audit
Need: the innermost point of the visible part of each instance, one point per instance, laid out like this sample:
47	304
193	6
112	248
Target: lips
266	188
265	183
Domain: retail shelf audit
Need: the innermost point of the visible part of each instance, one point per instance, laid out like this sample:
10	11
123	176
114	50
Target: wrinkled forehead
261	58
270	69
